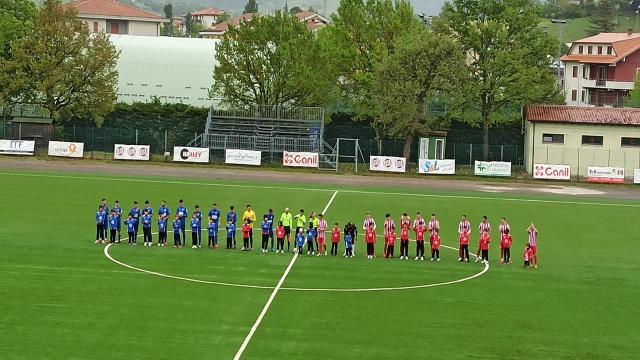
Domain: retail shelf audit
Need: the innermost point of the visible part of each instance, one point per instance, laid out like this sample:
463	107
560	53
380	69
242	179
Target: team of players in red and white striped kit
318	226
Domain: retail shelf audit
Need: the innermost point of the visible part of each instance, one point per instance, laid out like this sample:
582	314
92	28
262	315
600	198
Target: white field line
466	197
273	295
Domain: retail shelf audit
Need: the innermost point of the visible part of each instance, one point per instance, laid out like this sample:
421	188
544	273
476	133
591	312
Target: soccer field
62	298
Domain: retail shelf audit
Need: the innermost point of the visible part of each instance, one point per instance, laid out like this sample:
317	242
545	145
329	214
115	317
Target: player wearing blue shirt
195	227
300	240
212	230
214	214
232	216
231	235
135	215
177	227
311	233
101	215
270	218
131	229
182	213
198	215
147	208
113	226
146	228
266	227
118	211
162	230
348	245
163	210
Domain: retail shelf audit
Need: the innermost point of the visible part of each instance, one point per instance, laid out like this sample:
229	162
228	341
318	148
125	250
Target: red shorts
321	241
534	250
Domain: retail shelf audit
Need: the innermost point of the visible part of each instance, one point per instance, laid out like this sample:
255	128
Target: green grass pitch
63	299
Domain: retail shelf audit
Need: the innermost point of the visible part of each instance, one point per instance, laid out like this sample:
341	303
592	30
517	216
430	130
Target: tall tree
251	7
423	67
62	67
508	58
269	60
604	17
167	28
361	32
16	18
295	10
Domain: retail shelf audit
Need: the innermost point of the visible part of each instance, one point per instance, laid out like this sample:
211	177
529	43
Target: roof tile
582	115
110	8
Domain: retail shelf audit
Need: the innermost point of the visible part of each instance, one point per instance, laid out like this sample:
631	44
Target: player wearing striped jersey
503	229
434	228
419	227
483	227
464	230
405	221
389	228
405	226
321	235
533	243
419	221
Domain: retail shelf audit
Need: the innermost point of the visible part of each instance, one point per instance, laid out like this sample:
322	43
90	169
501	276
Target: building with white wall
112	17
172	69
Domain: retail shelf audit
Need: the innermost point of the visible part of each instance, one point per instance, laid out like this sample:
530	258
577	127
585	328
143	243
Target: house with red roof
312	20
113	17
580	137
207	17
217	31
601	69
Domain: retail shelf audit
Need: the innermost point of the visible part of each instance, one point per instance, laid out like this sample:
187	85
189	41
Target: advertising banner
243	157
17	147
387	163
190	154
66	149
300	159
551	172
492	168
437	167
607	175
131	152
636	176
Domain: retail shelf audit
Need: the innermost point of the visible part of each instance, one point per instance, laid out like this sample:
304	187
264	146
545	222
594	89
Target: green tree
269	60
222	18
633	100
508	58
604	17
62	67
251	7
16	18
423	67
167	28
361	32
295	10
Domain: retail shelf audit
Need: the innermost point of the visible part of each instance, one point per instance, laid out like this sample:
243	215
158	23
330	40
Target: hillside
576	29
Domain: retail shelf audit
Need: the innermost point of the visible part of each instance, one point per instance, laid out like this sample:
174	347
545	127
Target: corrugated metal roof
582	115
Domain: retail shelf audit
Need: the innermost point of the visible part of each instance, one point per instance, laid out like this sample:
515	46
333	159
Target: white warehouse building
175	70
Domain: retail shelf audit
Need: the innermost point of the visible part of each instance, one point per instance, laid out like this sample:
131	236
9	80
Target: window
439	149
609	50
630	141
553	138
583	95
95	26
592	140
575	71
580	49
574	95
585	72
599	50
590	50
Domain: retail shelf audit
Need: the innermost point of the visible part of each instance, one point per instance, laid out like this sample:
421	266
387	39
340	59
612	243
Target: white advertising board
131	152
492	168
387	163
66	149
17	147
190	154
437	167
551	172
243	157
300	159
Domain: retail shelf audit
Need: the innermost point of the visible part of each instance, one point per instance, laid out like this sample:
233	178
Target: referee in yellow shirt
250	216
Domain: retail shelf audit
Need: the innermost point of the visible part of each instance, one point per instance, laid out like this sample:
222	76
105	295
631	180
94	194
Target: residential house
581	137
312	20
207	17
217	31
600	70
113	17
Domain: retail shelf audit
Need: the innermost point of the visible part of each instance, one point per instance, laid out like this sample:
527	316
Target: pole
136	136
165	141
355	153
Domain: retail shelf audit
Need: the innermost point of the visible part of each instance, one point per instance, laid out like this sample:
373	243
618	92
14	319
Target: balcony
601	82
607	84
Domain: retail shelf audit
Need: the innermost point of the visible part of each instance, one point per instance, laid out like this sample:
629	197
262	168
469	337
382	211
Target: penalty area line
273	294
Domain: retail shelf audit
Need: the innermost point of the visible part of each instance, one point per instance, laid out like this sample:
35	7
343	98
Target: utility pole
561	23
